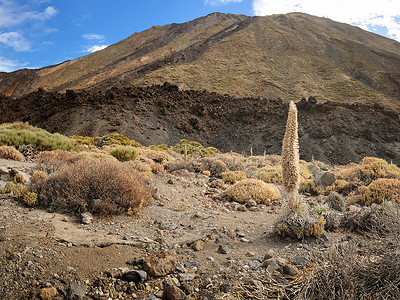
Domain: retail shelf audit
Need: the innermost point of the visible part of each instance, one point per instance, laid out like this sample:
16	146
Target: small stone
34	283
65	219
271	265
38	254
251	203
76	291
254	263
48	293
173	293
300	261
160	263
250	254
244	240
224	249
198	245
137	276
152	297
170	181
2	234
241	208
270	254
86	218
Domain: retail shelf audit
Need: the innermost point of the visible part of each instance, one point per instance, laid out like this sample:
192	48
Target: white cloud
14	14
95	48
362	13
221	2
15	40
8	65
93	36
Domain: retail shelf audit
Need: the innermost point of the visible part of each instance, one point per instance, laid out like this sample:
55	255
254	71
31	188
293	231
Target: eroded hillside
330	132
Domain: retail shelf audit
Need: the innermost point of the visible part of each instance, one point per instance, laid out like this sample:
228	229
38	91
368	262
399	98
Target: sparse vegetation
124	153
102	187
379	190
9	152
253	189
233	176
19	134
186	147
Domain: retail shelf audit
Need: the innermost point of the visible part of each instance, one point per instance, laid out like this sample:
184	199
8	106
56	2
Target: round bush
124	153
255	189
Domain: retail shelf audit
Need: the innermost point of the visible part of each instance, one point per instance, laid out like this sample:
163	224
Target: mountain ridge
285	56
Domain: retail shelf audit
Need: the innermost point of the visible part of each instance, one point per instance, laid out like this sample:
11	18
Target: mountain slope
330	132
285	56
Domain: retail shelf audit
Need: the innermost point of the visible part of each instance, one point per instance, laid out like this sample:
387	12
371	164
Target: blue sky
38	33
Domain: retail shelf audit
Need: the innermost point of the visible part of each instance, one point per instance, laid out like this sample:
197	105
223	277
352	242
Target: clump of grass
21	193
102	187
186	147
38	177
9	152
124	153
299	226
233	176
19	134
19	178
83	140
253	189
335	201
378	191
368	170
270	174
215	166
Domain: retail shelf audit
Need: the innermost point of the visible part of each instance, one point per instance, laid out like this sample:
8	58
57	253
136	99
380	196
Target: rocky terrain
189	244
329	132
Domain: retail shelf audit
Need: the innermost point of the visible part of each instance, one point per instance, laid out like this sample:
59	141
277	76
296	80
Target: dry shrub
376	220
21	193
124	153
9	152
368	170
215	166
299	226
254	189
341	186
19	178
158	156
378	191
172	166
343	274
143	167
233	176
270	174
102	187
335	201
97	155
38	177
51	161
233	161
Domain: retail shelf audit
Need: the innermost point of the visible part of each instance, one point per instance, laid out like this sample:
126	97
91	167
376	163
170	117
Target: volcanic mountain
287	56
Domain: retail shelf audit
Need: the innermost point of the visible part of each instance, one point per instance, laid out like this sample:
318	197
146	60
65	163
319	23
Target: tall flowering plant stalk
290	158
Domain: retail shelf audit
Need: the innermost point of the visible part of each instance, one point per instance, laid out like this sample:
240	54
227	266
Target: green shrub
270	174
83	140
191	147
19	134
254	189
19	179
124	153
9	152
102	187
233	176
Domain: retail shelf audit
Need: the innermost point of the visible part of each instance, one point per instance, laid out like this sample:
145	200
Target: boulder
160	263
324	178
